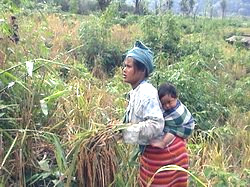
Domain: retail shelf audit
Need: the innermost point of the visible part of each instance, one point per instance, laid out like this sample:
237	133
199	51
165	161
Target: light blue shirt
144	114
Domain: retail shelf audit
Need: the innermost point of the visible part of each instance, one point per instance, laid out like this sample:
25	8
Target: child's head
167	95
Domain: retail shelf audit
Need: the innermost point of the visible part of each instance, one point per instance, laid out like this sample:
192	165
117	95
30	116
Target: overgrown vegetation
61	84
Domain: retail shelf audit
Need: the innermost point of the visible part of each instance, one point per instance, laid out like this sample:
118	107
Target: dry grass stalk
1	150
97	161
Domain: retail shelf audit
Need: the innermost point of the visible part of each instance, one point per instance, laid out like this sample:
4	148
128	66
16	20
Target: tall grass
53	124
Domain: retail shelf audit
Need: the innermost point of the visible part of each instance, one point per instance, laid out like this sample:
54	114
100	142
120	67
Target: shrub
98	51
162	33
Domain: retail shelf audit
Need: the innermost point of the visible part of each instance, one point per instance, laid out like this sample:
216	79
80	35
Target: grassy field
49	118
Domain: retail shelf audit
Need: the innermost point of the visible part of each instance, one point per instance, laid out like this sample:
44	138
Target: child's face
168	102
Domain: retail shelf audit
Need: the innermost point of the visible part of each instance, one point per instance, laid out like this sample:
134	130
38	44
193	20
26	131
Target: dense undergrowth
62	81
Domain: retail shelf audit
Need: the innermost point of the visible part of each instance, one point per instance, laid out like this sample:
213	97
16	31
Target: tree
195	12
144	7
156	7
64	4
137	6
208	8
184	6
163	5
103	4
73	4
211	9
169	4
187	6
223	5
191	4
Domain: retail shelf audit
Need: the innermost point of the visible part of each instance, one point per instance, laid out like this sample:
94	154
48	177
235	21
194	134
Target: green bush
240	94
162	33
224	178
98	51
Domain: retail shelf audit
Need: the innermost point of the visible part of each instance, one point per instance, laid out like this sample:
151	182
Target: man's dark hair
141	67
167	89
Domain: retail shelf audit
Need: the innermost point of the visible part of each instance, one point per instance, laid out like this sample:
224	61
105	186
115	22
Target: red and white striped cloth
154	158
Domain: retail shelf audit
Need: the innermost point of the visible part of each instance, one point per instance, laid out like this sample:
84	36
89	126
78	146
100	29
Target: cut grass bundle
97	161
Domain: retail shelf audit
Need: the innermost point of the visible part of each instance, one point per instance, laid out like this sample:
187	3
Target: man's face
168	102
131	74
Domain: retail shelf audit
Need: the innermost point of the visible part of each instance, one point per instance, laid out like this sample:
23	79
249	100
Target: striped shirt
178	121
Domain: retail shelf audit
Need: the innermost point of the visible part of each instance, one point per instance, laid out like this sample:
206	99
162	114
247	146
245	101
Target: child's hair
167	89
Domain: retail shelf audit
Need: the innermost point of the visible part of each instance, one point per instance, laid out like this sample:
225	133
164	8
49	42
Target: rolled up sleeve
150	123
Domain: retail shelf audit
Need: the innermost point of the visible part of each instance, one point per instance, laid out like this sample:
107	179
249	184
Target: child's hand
157	143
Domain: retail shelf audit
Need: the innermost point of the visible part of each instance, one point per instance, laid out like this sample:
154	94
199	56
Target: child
178	119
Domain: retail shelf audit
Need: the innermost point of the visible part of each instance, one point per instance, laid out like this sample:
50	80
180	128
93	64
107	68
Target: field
61	84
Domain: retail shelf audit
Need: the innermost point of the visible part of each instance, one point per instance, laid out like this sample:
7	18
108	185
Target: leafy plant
161	33
97	50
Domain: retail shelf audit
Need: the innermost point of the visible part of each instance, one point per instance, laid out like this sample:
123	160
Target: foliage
223	5
187	6
51	105
224	178
161	33
98	51
103	4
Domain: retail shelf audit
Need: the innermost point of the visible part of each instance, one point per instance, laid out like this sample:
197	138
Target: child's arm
168	137
183	131
162	143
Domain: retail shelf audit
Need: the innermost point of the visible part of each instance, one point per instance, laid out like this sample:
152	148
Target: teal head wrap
143	54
